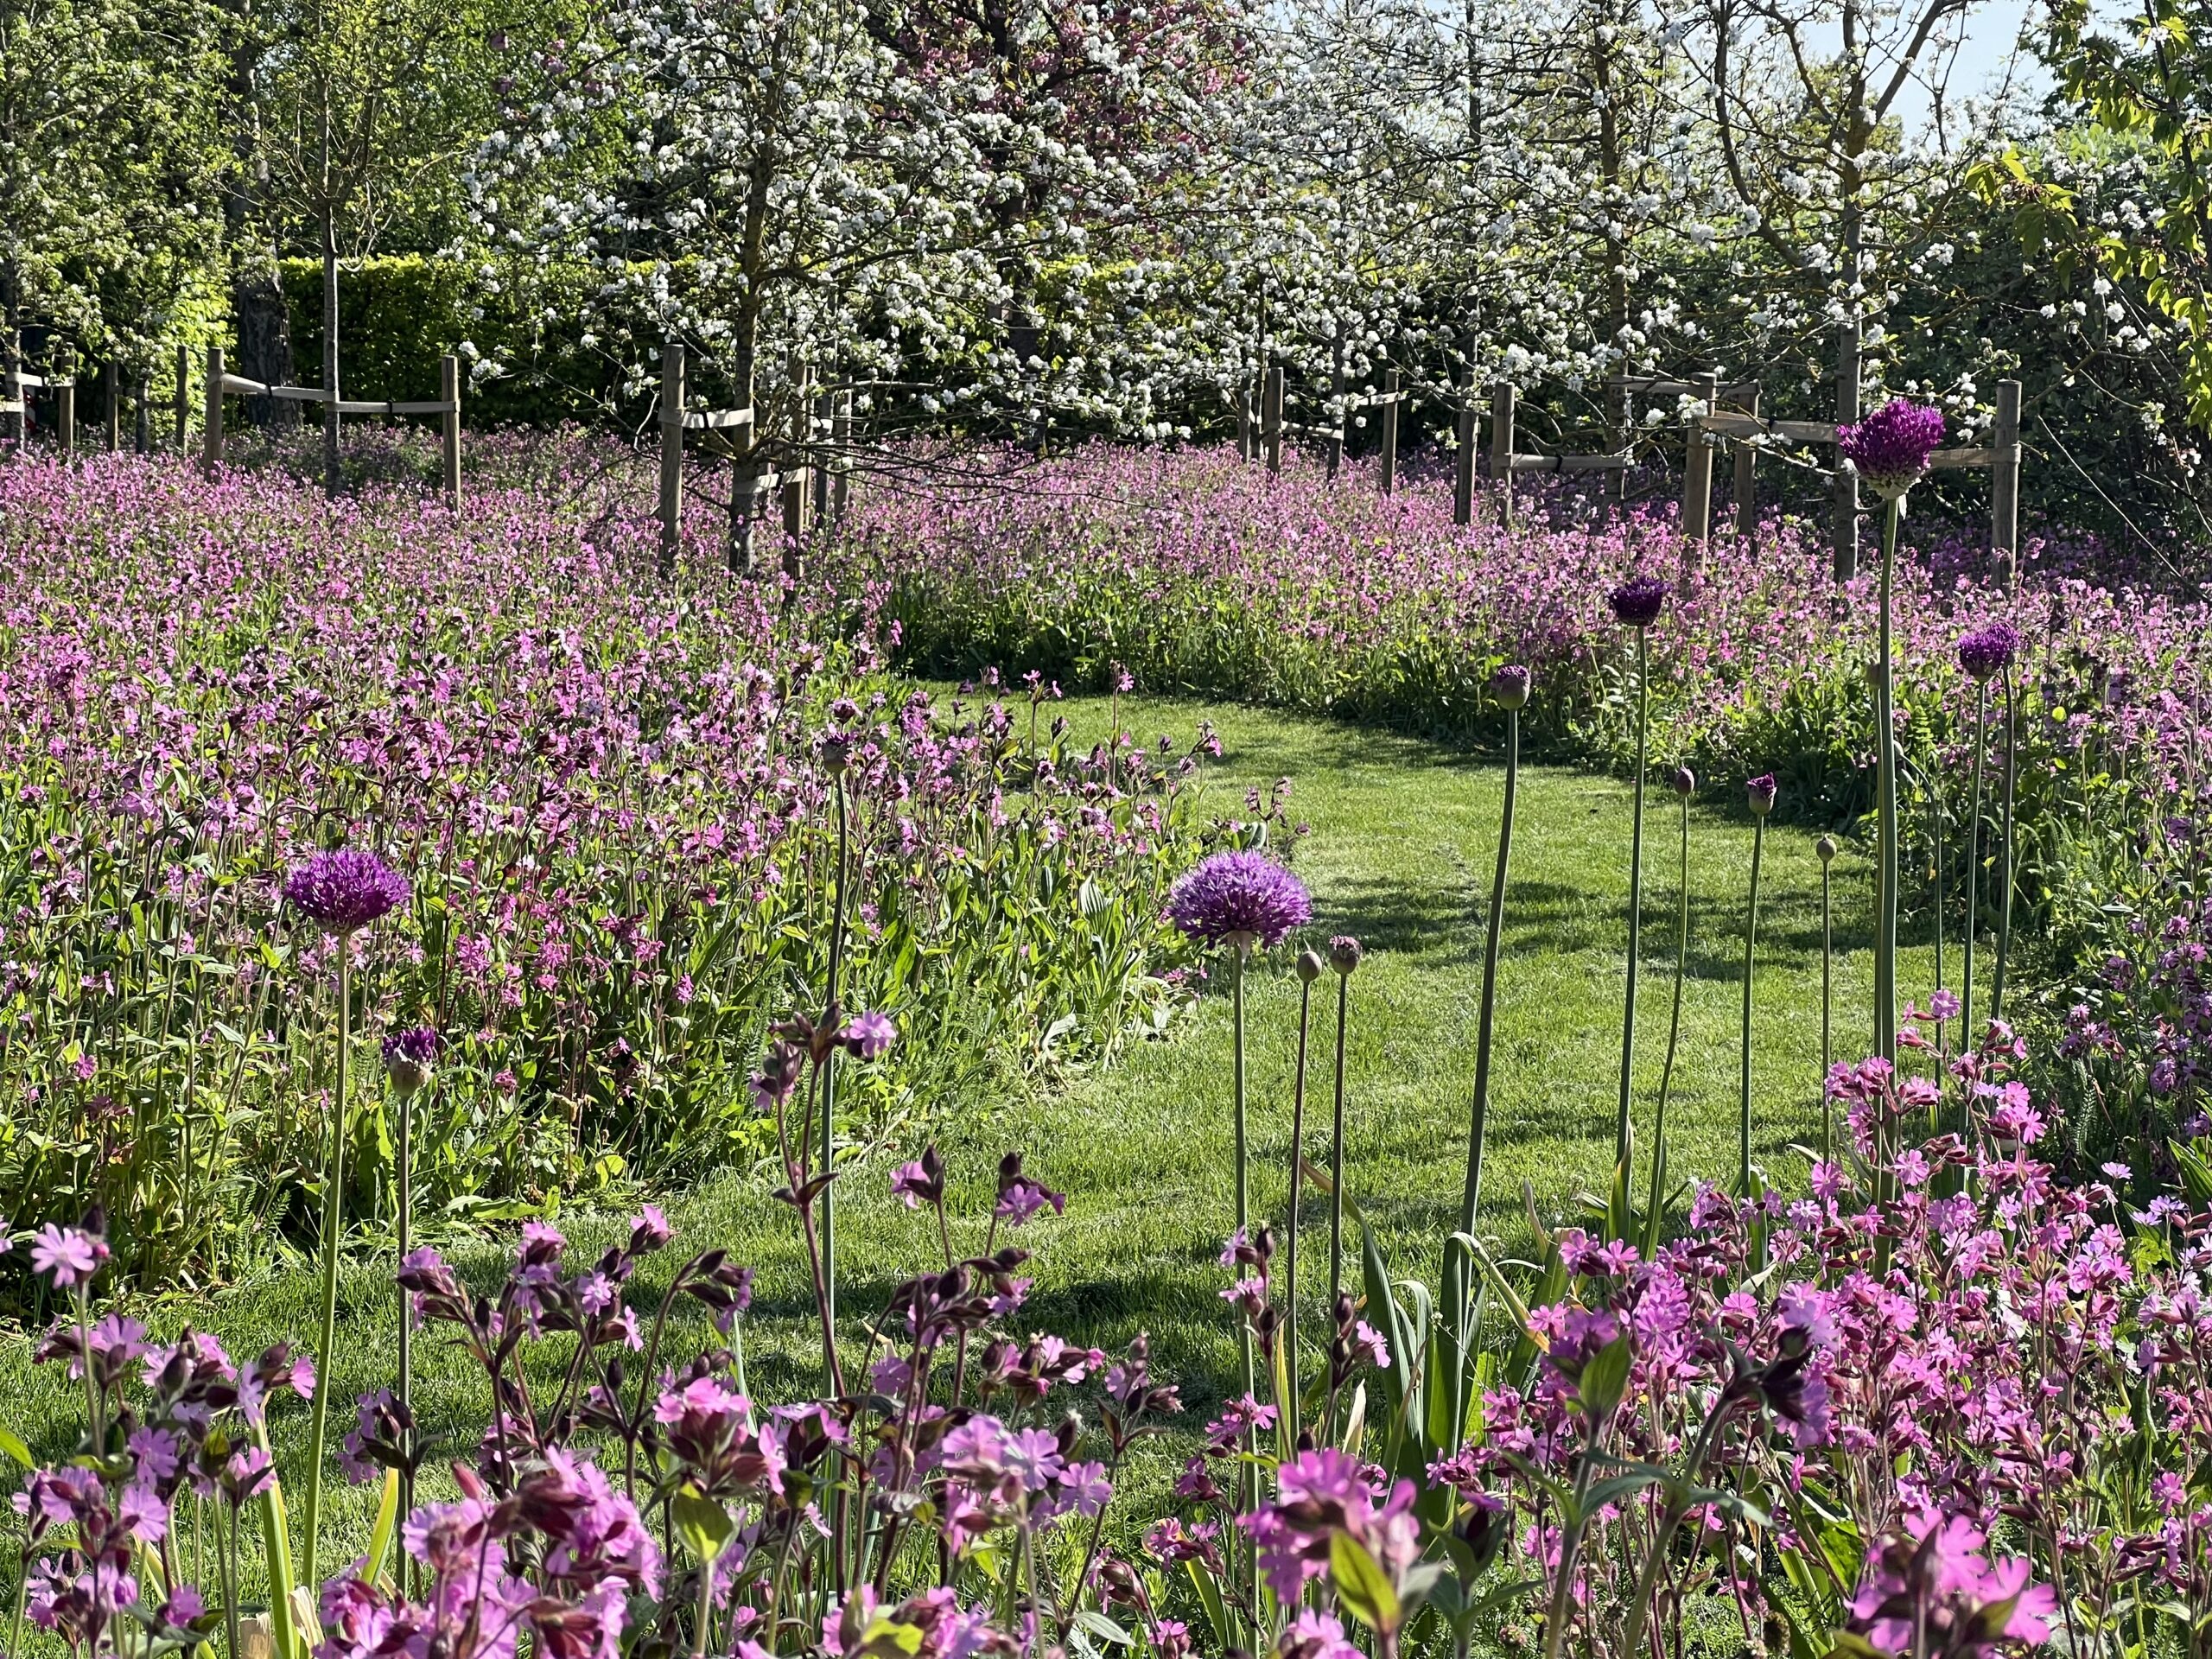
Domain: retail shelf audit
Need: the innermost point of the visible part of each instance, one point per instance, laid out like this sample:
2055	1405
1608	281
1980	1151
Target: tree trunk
1604	42
1851	334
330	478
13	425
258	309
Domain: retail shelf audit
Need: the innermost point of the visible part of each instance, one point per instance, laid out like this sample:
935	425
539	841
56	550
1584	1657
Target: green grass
1400	856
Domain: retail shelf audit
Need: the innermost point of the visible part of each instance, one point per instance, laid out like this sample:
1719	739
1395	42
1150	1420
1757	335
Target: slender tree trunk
330	478
1851	334
1604	43
259	313
12	426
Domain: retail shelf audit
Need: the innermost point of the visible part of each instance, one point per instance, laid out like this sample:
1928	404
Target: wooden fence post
1747	483
1697	462
1244	438
1501	449
1271	417
65	406
795	485
141	422
111	383
1390	467
211	440
183	393
671	455
449	395
825	422
840	438
1333	448
1463	485
2005	480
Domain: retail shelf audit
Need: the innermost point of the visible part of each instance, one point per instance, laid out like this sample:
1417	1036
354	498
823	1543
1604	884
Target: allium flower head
1637	603
345	891
407	1056
1890	447
1509	685
1684	782
1239	899
1344	953
1987	650
1758	793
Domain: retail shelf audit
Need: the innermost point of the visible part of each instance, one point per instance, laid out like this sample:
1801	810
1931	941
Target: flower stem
1827	1043
332	1236
1478	1123
1337	1184
1936	885
406	1200
1621	1154
1967	1038
1290	1254
2004	847
830	1097
1750	944
1885	802
1673	1021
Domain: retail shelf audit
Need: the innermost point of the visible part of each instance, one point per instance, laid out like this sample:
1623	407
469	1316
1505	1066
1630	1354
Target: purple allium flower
1759	792
346	890
70	1254
1637	602
1509	685
407	1056
868	1035
1890	447
1985	652
1239	899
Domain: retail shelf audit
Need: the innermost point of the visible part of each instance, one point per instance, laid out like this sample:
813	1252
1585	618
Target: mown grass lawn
1400	852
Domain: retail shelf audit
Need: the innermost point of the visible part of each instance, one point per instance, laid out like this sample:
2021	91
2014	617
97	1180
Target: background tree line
1042	218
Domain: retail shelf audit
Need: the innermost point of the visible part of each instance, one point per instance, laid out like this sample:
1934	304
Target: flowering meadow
1190	571
609	803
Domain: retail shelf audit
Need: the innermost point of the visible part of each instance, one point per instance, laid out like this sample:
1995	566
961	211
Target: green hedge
397	315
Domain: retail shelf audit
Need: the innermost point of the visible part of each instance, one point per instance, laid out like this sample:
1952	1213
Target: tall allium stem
1967	1038
1635	904
1297	1151
1826	848
1750	946
1936	881
830	1099
404	1230
1885	804
1674	1018
1485	1026
2005	846
334	1204
1337	1156
1243	1189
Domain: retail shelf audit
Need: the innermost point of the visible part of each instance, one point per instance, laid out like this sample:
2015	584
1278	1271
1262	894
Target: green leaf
1209	1599
387	1521
12	1444
703	1525
1605	1379
1362	1586
1104	1628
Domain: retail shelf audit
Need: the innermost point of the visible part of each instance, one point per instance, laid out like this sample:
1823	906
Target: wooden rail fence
219	385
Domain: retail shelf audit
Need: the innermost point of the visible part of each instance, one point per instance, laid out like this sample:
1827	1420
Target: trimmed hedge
397	315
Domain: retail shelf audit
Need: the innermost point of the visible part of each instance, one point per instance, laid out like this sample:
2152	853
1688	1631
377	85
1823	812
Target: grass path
1400	856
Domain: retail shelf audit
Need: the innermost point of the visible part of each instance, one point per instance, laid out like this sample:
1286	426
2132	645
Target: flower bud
1825	848
1344	954
1758	793
1684	781
1309	966
1509	685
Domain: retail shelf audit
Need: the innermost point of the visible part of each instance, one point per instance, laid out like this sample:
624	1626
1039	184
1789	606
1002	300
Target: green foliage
397	314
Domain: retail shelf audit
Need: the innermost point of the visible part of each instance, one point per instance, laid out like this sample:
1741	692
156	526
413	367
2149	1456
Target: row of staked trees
1045	217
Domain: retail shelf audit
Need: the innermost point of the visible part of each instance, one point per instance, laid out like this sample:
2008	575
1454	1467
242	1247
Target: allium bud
1684	781
1825	848
407	1057
836	753
1344	953
1309	966
1759	792
1509	685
